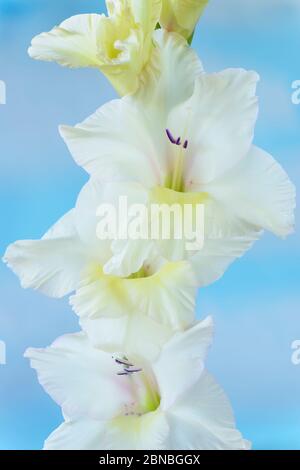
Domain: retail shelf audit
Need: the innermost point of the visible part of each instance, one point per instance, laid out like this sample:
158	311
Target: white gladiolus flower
120	45
70	257
120	401
181	16
186	137
134	378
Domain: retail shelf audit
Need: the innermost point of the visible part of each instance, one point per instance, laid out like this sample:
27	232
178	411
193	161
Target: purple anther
122	373
176	141
123	363
170	137
133	371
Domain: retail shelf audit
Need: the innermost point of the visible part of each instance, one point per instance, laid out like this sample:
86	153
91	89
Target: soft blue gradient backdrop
256	305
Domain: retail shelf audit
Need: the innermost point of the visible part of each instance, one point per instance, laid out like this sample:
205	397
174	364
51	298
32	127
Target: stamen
133	371
176	141
123	363
170	137
127	366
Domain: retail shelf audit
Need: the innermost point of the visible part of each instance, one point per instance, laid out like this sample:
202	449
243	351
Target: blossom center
139	379
143	272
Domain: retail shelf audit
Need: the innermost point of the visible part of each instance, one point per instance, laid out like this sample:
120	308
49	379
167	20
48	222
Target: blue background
256	304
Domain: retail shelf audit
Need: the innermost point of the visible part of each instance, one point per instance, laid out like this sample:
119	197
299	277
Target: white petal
85	434
202	419
80	378
258	191
182	235
148	432
128	256
135	334
120	257
218	122
75	43
52	265
169	80
181	361
218	254
115	144
90	198
167	296
129	252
